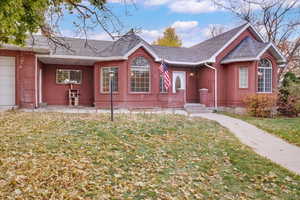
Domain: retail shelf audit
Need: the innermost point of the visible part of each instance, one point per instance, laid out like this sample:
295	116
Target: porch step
5	108
196	108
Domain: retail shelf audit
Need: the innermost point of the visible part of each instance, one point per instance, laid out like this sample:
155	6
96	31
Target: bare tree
214	30
92	15
48	17
277	20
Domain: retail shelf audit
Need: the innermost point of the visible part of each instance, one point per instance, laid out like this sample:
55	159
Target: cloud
184	25
188	31
193	6
155	2
151	35
184	6
101	36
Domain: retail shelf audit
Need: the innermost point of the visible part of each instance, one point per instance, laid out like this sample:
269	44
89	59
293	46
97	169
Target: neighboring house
218	72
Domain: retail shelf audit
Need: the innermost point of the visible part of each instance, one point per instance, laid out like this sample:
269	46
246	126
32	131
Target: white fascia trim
230	41
264	50
17	48
271	45
83	57
187	63
235	37
240	60
283	58
257	33
141	44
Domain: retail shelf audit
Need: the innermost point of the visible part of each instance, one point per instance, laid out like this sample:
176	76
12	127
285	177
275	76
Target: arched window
265	76
140	75
178	83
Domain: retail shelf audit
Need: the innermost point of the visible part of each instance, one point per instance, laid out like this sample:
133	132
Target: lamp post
111	75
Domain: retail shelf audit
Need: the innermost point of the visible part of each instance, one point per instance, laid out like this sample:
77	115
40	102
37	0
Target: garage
7	81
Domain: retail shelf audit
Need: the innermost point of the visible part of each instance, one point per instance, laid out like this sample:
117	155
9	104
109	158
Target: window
68	76
177	83
243	77
105	78
264	76
140	75
162	88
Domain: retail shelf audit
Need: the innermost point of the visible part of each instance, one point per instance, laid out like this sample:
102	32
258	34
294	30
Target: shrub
289	96
260	105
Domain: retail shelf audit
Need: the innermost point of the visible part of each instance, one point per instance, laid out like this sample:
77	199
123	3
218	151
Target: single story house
218	72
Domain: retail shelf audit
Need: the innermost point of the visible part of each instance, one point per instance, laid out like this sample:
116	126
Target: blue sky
191	18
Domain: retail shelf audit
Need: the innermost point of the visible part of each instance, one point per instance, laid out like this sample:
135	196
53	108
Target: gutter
216	83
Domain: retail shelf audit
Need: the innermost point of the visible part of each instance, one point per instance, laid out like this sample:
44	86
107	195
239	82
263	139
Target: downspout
216	83
36	81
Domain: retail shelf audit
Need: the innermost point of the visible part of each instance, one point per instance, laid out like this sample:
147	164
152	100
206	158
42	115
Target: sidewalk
263	143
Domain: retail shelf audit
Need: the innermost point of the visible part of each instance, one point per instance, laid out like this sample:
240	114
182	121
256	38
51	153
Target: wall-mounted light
259	73
192	74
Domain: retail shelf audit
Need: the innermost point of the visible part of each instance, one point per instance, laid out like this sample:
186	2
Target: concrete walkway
263	143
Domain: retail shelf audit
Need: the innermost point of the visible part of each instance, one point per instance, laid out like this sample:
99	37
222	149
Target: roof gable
204	52
208	49
250	49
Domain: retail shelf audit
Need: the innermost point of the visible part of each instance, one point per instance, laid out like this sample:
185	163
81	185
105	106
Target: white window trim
150	77
264	92
101	79
69	70
174	81
240	86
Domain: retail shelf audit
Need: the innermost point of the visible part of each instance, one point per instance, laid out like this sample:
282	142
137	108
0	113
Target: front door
179	81
7	81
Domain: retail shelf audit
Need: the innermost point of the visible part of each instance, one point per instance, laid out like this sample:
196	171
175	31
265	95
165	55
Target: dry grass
65	156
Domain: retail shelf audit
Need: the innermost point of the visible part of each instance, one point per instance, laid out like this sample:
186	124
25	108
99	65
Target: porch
58	76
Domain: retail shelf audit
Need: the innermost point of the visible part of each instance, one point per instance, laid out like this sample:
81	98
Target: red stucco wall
229	93
127	99
57	94
25	77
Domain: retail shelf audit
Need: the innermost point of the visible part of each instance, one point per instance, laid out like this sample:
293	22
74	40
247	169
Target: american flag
164	70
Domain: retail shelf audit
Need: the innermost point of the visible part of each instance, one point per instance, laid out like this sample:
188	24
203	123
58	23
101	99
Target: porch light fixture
192	74
111	75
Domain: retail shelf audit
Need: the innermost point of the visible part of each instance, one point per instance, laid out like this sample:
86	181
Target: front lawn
72	156
286	128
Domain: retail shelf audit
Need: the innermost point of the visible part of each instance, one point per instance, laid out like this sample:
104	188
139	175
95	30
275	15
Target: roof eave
240	60
188	63
25	48
214	57
113	58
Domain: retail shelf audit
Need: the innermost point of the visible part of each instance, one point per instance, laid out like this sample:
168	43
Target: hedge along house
218	72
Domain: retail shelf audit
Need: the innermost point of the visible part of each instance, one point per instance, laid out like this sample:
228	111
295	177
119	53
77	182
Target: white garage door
7	81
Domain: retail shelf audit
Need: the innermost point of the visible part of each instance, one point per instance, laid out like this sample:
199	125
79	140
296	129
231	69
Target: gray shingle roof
200	52
195	54
248	48
77	46
123	45
205	50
